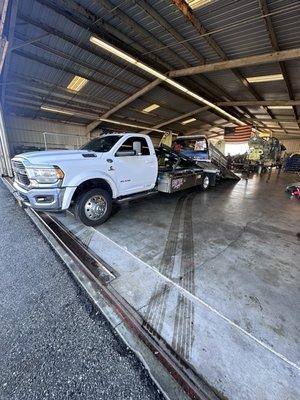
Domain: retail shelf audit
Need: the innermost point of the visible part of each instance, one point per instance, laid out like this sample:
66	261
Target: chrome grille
20	173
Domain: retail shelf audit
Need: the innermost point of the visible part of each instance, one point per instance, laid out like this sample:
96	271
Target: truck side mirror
125	153
137	146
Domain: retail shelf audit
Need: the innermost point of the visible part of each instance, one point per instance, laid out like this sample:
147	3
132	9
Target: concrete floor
53	343
216	274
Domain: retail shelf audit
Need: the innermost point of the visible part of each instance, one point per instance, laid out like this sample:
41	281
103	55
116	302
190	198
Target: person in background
177	146
229	161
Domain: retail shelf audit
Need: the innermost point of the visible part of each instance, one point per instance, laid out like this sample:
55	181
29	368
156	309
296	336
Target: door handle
149	162
109	160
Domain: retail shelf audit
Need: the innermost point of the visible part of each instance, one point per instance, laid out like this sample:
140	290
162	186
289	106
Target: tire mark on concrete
156	309
183	332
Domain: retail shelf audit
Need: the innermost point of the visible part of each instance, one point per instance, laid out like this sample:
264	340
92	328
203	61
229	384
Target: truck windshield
101	144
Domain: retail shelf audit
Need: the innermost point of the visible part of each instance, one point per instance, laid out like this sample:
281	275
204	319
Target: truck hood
55	156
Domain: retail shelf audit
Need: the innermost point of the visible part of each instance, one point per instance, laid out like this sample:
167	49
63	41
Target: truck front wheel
93	207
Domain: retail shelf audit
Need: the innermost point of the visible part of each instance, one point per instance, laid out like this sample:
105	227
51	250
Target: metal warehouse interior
194	295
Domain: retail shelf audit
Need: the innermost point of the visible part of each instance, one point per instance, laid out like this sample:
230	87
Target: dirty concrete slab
233	248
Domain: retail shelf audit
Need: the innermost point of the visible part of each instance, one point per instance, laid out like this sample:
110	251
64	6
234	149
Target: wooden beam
189	15
124	103
179	118
240	62
207	86
259	103
272	121
273	39
149	9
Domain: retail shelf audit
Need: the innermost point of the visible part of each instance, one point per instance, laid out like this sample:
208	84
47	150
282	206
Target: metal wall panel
29	132
292	145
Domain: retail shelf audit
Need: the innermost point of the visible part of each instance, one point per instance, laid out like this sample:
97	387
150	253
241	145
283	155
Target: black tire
88	215
204	185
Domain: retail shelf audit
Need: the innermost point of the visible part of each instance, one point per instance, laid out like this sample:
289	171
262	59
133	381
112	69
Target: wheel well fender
92	184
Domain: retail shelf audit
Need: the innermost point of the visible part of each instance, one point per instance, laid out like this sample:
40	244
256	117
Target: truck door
135	166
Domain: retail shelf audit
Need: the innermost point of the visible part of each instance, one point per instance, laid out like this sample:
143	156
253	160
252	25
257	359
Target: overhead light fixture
56	110
194	4
187	121
265	78
150	108
77	83
280	107
104	45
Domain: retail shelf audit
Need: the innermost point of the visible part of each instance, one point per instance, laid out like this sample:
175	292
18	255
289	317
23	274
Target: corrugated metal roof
237	27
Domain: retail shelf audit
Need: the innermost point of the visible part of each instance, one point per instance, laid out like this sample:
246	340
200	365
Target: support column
5	163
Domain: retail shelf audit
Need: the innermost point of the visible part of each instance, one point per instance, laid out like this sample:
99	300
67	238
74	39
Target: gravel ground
53	343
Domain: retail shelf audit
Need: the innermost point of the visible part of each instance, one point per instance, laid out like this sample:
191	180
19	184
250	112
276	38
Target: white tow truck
110	168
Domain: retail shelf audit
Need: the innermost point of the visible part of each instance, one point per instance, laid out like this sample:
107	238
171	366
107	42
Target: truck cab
131	162
108	167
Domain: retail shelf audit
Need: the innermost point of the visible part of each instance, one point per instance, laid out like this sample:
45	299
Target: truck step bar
136	196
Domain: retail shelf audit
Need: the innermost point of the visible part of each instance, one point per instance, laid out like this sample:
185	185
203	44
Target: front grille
20	173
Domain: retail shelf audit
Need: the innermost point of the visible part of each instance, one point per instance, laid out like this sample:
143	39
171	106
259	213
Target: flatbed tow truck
110	168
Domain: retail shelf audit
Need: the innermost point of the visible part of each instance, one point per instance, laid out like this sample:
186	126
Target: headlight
45	174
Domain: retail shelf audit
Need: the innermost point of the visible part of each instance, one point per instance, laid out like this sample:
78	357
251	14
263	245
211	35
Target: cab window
136	143
101	144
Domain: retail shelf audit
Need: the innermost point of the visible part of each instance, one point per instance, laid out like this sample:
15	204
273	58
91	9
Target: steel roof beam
273	39
28	94
71	71
239	62
10	38
137	28
3	13
44	86
187	12
75	60
63	36
87	20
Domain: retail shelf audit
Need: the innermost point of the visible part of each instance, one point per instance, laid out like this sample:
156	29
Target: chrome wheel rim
206	182
96	207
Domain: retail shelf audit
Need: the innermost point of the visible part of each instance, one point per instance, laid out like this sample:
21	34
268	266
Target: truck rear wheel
93	207
205	183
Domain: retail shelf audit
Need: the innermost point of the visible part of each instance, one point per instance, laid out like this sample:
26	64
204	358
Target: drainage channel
100	274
